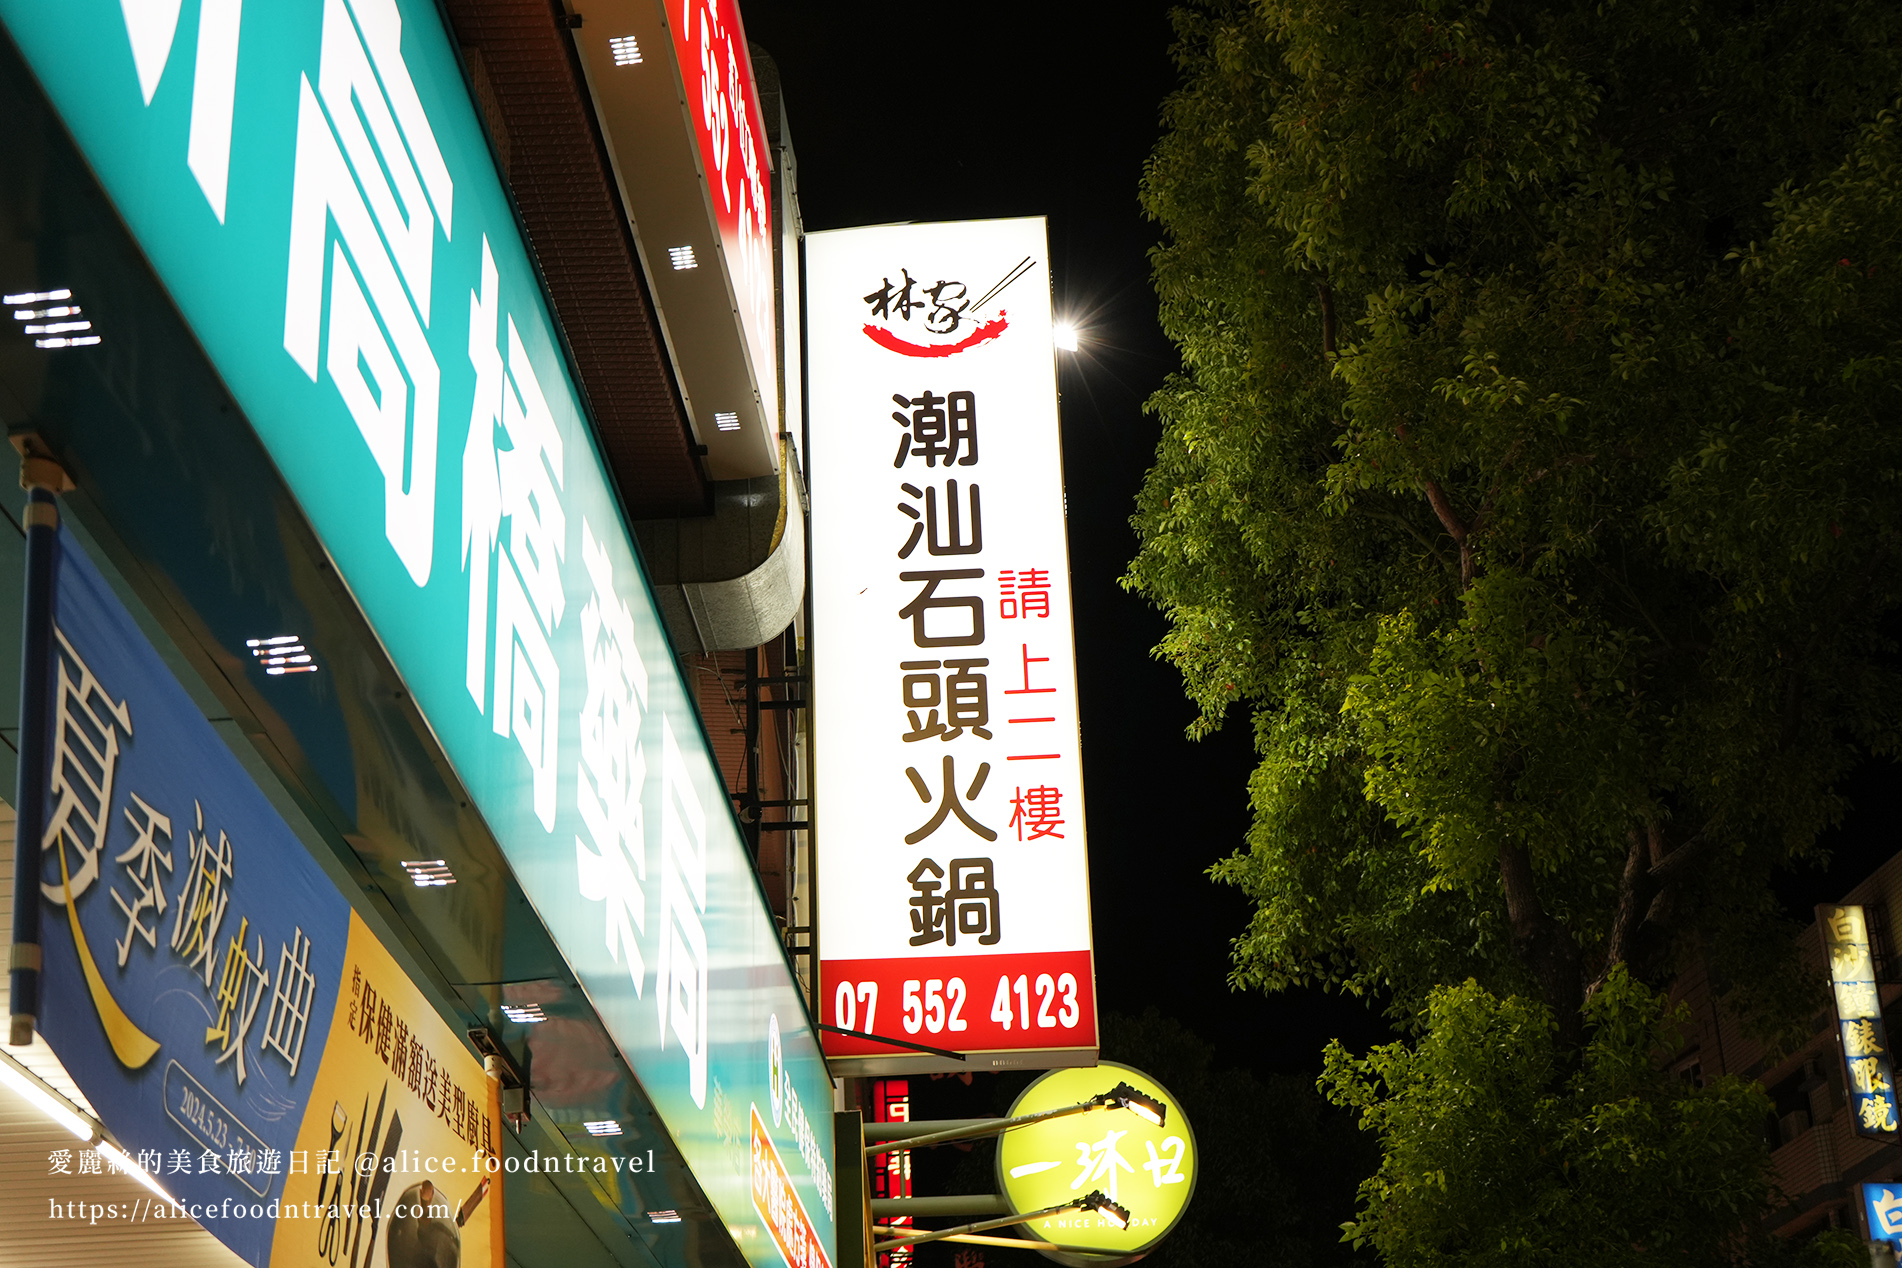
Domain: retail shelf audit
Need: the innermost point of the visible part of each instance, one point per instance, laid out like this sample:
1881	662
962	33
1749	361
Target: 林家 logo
937	318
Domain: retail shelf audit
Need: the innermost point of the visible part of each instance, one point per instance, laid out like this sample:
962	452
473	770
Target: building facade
423	382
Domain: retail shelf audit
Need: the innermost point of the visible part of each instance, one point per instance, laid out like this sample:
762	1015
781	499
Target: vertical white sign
953	875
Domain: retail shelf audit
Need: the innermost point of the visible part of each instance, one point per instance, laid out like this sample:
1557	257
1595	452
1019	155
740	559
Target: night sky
955	112
959	112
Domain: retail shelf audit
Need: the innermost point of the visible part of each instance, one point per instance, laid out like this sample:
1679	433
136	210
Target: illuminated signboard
953	873
1882	1208
1147	1168
710	43
258	1054
312	185
1865	1041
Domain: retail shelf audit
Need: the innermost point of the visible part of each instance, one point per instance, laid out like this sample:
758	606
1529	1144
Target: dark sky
1047	108
961	112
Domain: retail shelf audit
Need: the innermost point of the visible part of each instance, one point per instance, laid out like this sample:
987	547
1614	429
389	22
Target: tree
1601	1159
1531	477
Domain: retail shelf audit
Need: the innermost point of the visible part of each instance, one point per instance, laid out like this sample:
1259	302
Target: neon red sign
710	43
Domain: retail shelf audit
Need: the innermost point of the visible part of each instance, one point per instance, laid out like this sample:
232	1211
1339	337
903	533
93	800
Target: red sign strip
779	1206
967	1003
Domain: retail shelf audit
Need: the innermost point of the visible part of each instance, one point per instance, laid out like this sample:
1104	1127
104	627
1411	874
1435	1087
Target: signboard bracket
896	1043
43	478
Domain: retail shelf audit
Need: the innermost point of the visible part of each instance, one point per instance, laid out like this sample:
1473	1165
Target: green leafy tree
1531	478
1601	1159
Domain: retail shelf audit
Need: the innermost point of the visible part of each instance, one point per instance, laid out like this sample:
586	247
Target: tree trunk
1543	945
1326	293
1647	899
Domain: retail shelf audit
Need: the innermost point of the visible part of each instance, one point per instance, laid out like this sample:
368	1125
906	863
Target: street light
1065	335
1095	1200
1142	1105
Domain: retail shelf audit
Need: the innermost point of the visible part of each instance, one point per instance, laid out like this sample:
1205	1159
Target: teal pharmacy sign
310	182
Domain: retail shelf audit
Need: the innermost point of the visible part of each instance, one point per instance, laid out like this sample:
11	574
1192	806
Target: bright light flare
1065	335
53	1107
129	1167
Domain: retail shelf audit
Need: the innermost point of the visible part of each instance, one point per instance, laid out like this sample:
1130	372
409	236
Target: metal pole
939	1235
895	1043
41	478
750	689
954	1204
988	1127
1011	1243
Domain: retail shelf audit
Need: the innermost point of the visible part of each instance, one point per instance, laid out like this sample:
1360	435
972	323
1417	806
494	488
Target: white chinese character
240	989
152	1161
142	859
59	1162
285	1024
522	486
1166	1167
681	977
613	769
387	183
86	726
1099	1162
151	28
1888	1212
202	899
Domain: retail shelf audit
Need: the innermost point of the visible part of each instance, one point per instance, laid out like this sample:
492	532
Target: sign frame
894	657
1014	1142
1862	1037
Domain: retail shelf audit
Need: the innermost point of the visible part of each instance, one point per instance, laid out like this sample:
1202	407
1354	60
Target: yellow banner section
397	1161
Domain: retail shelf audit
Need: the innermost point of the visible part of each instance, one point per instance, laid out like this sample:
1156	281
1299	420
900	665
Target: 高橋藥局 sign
312	185
253	1047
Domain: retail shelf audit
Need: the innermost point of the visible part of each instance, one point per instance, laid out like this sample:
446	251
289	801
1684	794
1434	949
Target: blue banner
235	1026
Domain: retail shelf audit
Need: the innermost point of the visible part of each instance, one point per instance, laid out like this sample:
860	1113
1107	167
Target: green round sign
1147	1169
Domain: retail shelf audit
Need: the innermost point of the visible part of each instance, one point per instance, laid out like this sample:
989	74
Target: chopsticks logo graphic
945	309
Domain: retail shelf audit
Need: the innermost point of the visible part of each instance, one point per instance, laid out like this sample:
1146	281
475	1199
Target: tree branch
1625	922
1442	507
1649	886
1326	293
1416	534
1674	866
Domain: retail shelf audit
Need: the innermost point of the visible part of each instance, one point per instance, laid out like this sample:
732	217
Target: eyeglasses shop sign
313	188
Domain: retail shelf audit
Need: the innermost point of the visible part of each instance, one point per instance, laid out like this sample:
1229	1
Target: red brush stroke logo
984	333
